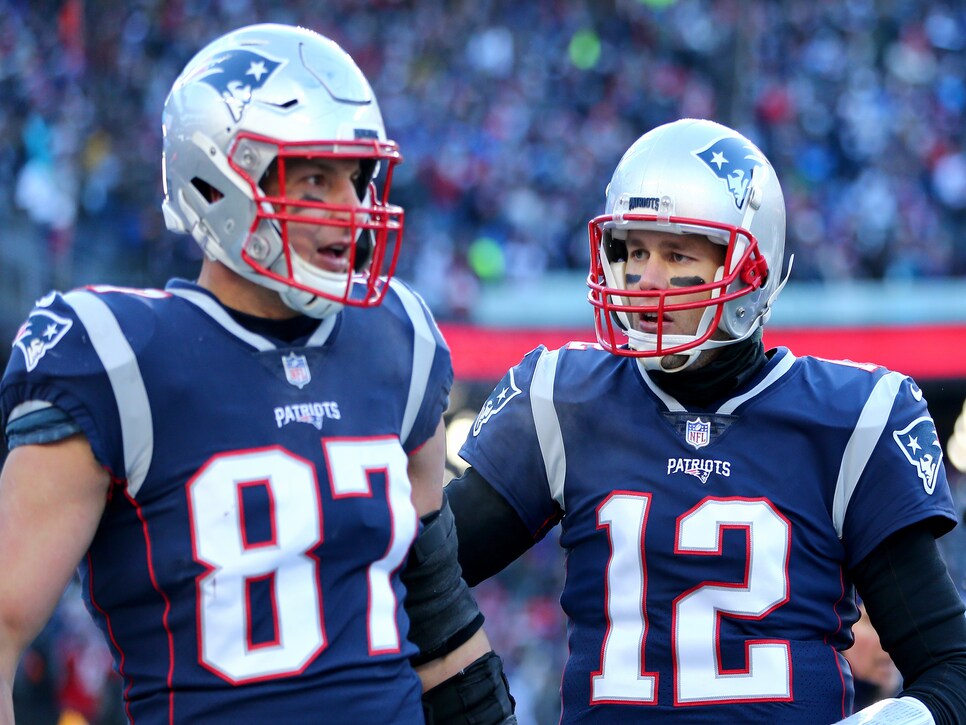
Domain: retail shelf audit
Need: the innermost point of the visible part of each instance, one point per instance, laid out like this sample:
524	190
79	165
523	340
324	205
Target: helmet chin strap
666	364
674	363
307	303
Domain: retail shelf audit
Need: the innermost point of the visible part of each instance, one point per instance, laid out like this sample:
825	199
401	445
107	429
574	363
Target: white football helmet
689	177
250	101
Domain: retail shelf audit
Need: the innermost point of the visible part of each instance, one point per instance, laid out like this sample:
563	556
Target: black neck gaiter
718	379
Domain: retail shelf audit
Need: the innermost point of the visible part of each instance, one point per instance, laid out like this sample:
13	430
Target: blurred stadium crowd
511	116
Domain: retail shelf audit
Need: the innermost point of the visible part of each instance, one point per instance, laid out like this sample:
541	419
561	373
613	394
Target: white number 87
232	563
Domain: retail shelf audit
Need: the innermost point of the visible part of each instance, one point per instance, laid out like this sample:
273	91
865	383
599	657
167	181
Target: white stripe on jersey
218	313
868	430
783	366
730	406
669	402
322	332
124	374
424	351
547	425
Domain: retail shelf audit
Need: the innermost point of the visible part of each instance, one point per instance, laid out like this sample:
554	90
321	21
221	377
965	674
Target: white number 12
699	677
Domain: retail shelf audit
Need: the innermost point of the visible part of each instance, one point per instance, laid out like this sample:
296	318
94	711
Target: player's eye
638	255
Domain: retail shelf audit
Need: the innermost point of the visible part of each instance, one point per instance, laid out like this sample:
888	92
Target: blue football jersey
246	568
708	550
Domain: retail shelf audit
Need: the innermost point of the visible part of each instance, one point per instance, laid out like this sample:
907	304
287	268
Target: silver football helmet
689	177
249	102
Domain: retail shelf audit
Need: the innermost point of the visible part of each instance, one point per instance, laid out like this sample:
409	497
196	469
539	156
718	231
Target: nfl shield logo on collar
296	370
698	433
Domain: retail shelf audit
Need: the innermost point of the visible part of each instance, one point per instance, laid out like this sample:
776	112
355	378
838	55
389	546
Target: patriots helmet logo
919	443
735	162
42	330
235	74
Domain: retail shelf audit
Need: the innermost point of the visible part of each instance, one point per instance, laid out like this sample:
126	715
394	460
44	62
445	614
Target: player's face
661	260
328	181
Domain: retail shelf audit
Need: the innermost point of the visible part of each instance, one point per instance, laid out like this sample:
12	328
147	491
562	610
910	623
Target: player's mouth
332	257
648	322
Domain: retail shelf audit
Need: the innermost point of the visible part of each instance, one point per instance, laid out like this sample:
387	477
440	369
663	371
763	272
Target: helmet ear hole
615	249
270	173
367	171
618	319
364	247
209	192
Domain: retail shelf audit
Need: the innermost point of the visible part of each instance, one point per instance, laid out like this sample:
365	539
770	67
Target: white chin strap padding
333	283
305	303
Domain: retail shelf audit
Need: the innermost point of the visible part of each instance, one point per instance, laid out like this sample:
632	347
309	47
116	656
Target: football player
720	505
242	464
